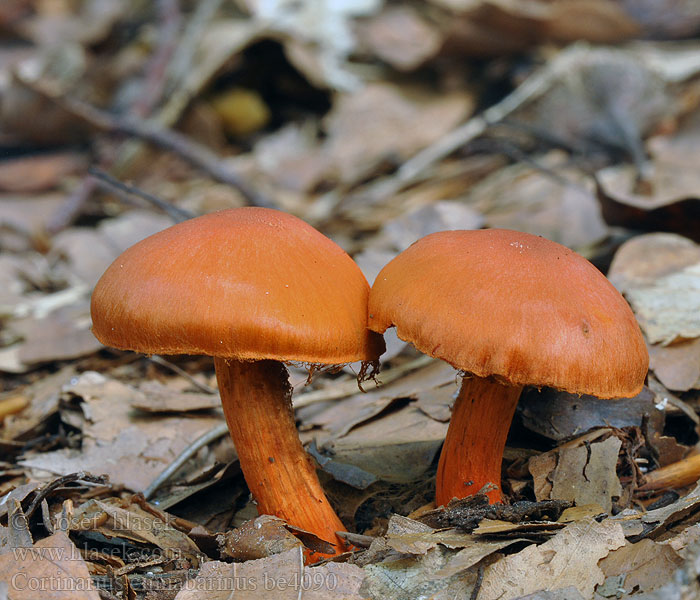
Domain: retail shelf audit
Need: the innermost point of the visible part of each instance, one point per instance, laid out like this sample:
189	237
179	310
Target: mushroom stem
257	401
473	450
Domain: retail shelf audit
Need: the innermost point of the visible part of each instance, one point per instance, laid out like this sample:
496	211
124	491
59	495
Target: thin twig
181	63
213	434
170	21
412	170
477	584
69	210
111	184
186	148
159	360
168	139
56	483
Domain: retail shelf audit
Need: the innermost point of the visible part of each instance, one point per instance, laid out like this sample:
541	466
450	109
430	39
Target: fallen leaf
638	526
399	36
400	577
278	577
131	448
669	310
398	234
640	567
561	207
114	518
560	415
379	123
585	471
262	537
52	569
40	172
570	558
156	397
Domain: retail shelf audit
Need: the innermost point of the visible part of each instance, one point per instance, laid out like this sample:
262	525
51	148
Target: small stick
106	181
533	87
12	405
676	475
477	584
159	360
196	154
213	434
56	483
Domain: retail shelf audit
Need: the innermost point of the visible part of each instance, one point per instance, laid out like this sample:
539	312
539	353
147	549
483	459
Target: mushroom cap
513	306
244	283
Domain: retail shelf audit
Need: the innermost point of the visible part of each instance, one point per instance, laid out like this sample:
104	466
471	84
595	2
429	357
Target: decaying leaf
399	36
583	471
559	415
379	123
278	577
660	275
130	521
51	569
639	567
259	538
560	207
570	558
156	397
131	448
669	178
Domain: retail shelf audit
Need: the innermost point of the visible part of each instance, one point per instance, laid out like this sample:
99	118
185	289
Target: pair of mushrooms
255	288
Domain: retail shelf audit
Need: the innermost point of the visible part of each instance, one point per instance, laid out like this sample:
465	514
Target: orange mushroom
254	288
509	309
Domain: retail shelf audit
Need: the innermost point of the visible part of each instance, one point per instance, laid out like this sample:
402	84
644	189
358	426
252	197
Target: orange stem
257	401
473	450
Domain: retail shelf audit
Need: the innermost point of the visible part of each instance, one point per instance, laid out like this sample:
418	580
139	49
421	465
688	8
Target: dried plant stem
677	475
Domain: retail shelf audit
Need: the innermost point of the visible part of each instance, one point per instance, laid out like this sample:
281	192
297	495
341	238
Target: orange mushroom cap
513	306
244	283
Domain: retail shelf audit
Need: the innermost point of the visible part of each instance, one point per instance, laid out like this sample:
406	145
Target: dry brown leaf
677	366
38	173
661	284
585	471
606	99
292	157
340	417
570	558
666	198
262	537
647	524
642	267
131	448
412	537
526	199
559	415
399	36
278	577
44	398
398	447
400	233
23	216
52	569
640	567
380	123
399	577
156	397
644	259
114	518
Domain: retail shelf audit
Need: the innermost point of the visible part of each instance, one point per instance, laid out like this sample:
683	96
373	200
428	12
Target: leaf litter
378	123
